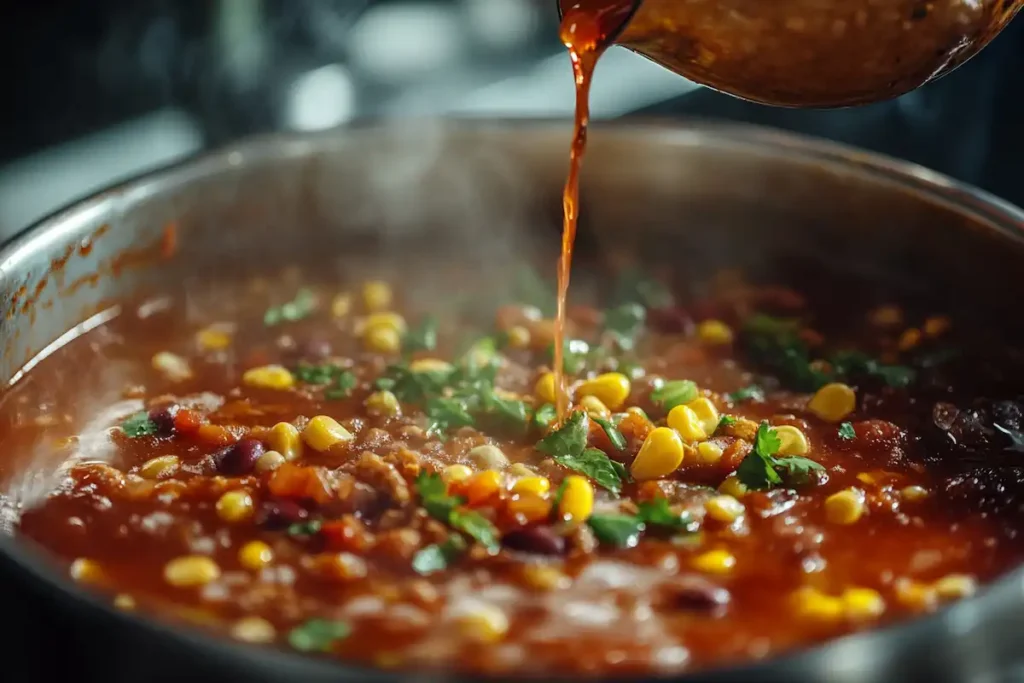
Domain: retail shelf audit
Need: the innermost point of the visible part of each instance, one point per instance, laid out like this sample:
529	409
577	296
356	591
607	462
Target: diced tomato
187	421
296	481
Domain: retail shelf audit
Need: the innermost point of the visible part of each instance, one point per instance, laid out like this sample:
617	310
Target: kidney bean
696	593
163	418
239	458
539	540
280	514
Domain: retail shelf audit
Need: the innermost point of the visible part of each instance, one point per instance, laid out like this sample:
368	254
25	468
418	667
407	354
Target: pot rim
960	197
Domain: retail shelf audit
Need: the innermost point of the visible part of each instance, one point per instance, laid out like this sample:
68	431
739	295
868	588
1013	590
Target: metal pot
695	196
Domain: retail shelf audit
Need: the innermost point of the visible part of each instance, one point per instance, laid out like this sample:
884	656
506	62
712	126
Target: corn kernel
255	555
715	562
732	486
190	571
268	377
382	339
483	623
909	339
725	509
537	486
708	453
833	402
253	630
706	412
171	366
235	506
915	595
213	338
594	408
544	577
530	507
286	440
85	570
384	319
482	486
377	295
518	337
714	332
913	493
544	389
159	467
886	316
611	388
660	455
322	432
955	586
518	469
813	604
845	507
577	499
935	326
430	365
488	457
269	461
793	441
685	421
455	473
341	305
862	604
383	403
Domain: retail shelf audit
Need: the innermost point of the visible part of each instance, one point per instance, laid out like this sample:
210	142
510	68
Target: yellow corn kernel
845	507
725	509
483	623
482	486
914	595
159	467
389	319
488	457
430	365
285	439
813	604
269	377
454	473
793	441
862	604
341	305
214	338
914	493
172	366
255	555
382	339
833	402
909	339
235	506
577	499
714	332
518	469
322	432
685	421
544	577
886	316
85	570
383	403
935	326
611	388
544	389
706	412
715	562
660	455
190	571
732	486
253	630
955	586
594	407
530	507
518	337
377	295
537	486
708	453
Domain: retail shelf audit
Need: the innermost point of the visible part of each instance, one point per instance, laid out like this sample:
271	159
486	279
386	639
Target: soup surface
330	468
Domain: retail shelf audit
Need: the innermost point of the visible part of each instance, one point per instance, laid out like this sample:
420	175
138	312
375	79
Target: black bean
539	540
696	593
240	458
163	418
280	514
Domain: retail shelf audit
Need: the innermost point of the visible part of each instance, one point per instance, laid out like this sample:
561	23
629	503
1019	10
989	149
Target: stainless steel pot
695	196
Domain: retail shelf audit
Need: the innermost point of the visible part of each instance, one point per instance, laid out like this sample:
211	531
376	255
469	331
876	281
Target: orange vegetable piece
296	481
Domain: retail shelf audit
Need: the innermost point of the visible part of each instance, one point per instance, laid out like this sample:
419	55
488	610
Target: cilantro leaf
438	556
308	528
751	393
343	385
569	440
798	471
482	351
422	337
510	410
430	485
621	531
476	526
559	492
435	499
545	415
757	470
595	464
318	635
447	413
725	421
767	441
674	393
300	307
846	432
138	425
624	323
658	513
614	435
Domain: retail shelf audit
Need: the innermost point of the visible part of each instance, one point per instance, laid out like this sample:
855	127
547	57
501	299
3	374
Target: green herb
751	393
853	363
621	531
447	413
476	526
797	471
674	393
343	385
567	445
846	432
439	505
308	528
725	421
761	470
481	351
624	323
339	382
318	635
298	308
634	286
439	556
423	337
658	513
568	440
138	425
511	411
545	415
614	435
531	289
556	500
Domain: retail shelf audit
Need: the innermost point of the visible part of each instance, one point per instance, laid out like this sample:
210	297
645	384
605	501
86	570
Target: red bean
696	593
280	514
239	458
539	540
163	418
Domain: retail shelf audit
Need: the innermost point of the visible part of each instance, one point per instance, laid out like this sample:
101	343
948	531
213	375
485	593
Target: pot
696	196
